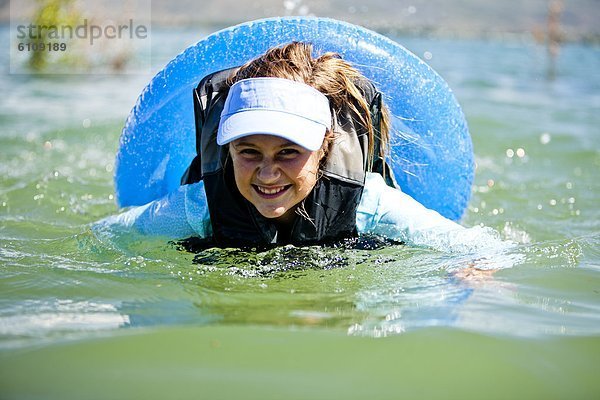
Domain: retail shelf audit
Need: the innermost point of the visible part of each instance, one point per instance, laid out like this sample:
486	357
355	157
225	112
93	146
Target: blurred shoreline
435	18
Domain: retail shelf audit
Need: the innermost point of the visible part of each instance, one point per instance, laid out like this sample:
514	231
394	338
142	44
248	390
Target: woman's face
274	174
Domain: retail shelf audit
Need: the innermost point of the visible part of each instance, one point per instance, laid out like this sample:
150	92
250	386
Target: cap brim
302	131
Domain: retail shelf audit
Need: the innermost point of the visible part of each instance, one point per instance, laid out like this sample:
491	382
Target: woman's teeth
270	190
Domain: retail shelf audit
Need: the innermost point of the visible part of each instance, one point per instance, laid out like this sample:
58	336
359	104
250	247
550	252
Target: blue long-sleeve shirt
383	211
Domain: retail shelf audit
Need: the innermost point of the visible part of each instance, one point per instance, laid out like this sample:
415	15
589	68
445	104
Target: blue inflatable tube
431	152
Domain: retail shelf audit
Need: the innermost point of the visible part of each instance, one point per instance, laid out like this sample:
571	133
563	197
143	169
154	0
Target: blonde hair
329	74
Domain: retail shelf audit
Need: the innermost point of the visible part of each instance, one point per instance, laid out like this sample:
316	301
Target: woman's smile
274	174
271	192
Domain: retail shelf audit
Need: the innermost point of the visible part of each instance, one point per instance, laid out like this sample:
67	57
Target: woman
291	150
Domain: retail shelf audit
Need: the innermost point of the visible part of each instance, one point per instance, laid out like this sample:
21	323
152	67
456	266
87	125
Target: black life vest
331	205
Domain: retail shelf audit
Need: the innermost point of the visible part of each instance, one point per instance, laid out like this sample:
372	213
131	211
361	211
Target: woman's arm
178	215
388	212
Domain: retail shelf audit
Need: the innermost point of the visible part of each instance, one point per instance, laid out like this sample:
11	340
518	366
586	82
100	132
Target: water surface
84	315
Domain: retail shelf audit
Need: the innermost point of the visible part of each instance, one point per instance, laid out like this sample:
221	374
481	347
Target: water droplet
545	138
539	207
303	10
427	55
48	145
552	202
289	5
490	182
510	153
520	152
87	123
569	185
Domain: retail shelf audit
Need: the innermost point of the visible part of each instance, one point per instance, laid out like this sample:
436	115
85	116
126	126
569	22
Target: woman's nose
268	171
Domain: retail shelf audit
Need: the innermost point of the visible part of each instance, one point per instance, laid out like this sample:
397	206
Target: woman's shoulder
376	190
376	194
196	208
375	180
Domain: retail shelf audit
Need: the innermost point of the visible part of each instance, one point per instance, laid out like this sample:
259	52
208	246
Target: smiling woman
291	150
273	174
276	128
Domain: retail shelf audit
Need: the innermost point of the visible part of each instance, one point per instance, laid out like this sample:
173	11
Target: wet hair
329	74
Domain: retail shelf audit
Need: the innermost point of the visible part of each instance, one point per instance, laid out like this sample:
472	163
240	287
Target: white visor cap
278	107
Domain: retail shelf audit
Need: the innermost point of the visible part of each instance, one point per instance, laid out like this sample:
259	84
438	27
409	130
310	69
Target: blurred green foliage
51	13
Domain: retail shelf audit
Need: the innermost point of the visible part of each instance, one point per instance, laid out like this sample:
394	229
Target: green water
99	316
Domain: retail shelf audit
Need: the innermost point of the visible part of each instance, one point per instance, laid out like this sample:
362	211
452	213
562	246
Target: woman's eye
249	152
288	152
